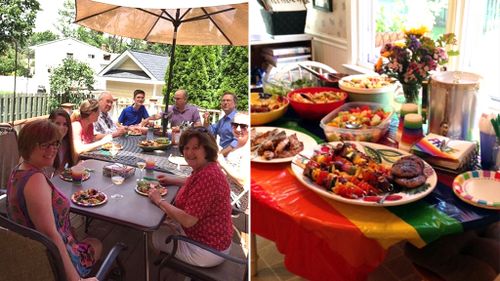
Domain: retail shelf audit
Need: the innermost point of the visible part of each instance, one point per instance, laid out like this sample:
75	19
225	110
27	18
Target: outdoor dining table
323	239
132	153
124	207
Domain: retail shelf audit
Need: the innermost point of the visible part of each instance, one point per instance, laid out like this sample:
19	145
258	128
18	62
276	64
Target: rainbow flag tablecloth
323	239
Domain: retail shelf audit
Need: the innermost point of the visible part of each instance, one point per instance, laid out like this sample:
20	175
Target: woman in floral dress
33	201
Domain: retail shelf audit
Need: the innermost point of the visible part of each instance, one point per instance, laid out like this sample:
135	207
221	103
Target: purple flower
414	44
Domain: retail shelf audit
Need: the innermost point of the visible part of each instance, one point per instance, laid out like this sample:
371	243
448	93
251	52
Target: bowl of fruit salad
357	121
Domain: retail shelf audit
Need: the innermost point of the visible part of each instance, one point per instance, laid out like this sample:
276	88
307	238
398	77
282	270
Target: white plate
479	188
346	87
177	160
309	144
388	156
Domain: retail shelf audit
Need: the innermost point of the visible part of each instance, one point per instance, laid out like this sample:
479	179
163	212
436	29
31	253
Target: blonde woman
83	127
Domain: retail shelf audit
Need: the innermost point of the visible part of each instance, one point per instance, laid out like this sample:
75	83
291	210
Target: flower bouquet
410	61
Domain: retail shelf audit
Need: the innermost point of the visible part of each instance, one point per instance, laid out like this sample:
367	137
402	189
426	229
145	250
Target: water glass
141	165
487	144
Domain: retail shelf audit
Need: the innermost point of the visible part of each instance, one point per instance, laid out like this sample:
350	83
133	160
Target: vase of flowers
411	60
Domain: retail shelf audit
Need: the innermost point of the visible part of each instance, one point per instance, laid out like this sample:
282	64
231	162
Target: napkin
443	152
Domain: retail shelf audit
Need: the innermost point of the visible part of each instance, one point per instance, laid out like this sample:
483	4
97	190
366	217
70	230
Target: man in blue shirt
223	127
135	113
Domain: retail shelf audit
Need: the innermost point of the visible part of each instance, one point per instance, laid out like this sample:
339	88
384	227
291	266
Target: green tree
234	72
42	37
65	23
208	71
8	64
69	81
17	20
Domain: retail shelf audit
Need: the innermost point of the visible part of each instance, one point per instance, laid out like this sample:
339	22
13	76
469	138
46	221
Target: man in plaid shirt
104	124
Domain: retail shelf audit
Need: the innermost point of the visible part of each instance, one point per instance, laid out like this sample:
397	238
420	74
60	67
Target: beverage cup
150	164
77	174
486	145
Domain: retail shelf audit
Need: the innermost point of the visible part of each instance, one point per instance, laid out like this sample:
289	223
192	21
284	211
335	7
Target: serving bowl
311	103
369	88
335	131
265	108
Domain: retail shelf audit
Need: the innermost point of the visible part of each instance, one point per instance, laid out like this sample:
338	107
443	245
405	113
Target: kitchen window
476	24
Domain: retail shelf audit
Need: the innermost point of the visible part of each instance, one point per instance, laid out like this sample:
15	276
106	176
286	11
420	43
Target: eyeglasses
46	145
242	126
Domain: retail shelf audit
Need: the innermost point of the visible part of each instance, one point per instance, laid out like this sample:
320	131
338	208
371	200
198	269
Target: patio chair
9	158
234	268
30	255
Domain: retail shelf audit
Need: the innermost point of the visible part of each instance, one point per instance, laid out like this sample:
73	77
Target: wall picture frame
323	5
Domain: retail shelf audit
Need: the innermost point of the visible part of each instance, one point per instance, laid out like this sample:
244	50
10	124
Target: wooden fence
28	106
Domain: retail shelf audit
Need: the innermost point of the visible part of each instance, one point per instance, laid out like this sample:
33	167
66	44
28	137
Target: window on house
476	24
106	57
91	56
69	55
383	21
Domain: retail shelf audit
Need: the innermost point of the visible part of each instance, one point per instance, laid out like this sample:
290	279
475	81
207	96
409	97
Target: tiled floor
271	268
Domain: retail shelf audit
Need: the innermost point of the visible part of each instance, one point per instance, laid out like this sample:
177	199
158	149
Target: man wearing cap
223	127
104	124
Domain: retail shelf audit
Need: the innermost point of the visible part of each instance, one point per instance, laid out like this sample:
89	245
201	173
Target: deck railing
29	107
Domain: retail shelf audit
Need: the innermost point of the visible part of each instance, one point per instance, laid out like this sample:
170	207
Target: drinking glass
77	174
141	165
113	150
150	165
117	179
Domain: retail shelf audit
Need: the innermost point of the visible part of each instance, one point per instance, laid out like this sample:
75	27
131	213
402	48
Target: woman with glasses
33	201
83	127
66	151
202	208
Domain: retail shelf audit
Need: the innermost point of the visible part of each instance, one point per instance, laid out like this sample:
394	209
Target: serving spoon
352	125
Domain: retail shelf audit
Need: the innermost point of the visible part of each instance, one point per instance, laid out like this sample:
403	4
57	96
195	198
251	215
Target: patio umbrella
184	22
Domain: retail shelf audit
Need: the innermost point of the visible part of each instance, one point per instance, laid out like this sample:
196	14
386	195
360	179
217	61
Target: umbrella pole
176	24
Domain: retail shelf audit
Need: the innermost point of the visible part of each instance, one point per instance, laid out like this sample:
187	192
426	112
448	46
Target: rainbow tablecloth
323	239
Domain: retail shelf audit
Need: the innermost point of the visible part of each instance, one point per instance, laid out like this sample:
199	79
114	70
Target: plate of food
109	145
143	187
363	173
156	144
89	197
480	188
65	175
277	145
134	131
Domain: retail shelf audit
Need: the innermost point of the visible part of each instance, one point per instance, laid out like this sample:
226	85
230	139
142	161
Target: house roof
66	39
153	66
128	74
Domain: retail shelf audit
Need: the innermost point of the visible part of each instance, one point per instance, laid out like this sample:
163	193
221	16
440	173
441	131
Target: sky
47	17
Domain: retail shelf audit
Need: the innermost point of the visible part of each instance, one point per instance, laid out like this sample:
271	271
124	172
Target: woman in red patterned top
83	127
202	208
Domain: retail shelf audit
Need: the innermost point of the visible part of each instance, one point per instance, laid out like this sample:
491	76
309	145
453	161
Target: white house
49	55
135	70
